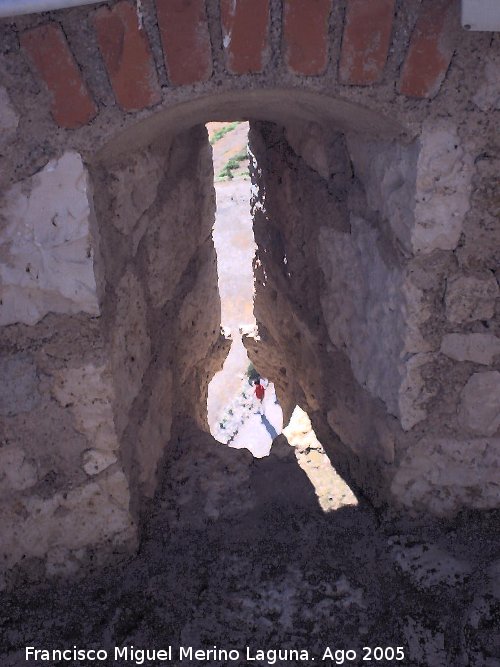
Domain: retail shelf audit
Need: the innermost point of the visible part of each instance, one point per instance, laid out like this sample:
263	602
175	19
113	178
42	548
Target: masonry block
186	41
127	56
47	47
305	35
431	49
245	31
366	39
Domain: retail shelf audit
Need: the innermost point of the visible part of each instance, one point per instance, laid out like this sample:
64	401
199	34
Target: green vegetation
223	131
252	374
233	164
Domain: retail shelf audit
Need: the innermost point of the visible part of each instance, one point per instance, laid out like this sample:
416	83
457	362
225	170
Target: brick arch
178	48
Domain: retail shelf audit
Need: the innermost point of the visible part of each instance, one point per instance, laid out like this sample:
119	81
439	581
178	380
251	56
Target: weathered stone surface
134	188
423	189
480	403
470	298
154	433
414	392
89	392
487	97
131	346
19	385
17	471
46	245
441	475
443	187
310	145
9	119
372	312
476	347
95	461
76	519
184	218
388	173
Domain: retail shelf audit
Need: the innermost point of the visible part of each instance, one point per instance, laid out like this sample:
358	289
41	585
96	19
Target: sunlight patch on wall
330	488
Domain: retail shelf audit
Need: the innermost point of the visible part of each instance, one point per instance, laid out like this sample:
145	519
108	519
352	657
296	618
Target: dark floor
236	553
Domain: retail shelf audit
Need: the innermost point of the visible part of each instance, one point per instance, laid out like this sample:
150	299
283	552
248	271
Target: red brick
127	56
245	31
367	34
46	45
186	40
431	49
305	34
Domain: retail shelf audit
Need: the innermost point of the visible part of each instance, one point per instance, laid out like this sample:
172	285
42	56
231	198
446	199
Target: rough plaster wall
389	303
62	485
291	207
87	403
162	308
63	490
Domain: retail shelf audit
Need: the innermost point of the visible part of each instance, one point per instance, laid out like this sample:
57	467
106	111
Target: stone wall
367	319
108	299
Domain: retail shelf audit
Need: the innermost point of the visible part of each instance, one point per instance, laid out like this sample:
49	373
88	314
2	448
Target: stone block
127	55
422	189
46	245
305	35
186	40
443	188
89	392
19	385
47	47
373	313
245	34
443	475
470	298
480	403
476	347
430	51
365	42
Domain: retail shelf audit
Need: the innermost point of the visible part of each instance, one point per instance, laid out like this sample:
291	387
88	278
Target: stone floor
238	552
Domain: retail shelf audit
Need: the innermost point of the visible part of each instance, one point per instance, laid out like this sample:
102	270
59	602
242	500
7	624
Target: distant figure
259	390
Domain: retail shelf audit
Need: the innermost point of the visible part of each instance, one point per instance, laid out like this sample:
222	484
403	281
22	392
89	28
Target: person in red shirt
259	390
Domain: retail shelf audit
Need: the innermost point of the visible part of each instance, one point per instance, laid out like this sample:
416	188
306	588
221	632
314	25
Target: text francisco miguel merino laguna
140	656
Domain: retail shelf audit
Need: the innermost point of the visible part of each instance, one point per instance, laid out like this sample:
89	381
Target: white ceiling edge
481	15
